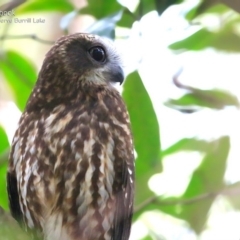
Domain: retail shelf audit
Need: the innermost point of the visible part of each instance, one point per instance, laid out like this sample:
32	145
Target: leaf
187	144
214	9
216	99
101	8
3	147
67	19
161	6
128	18
207	178
63	6
3	191
233	194
3	140
213	6
106	26
197	41
145	130
225	39
20	74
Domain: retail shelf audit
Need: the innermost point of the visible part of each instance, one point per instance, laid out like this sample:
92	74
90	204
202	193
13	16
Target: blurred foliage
20	74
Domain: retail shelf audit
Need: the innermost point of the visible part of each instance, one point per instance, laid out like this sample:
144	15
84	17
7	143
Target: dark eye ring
98	54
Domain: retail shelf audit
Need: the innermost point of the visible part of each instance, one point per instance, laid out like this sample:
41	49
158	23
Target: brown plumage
71	167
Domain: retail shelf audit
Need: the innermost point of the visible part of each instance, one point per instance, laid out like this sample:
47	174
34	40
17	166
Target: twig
26	36
11	5
155	199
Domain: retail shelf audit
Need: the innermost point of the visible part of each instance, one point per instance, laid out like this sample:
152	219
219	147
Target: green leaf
225	39
3	168
63	6
216	99
145	130
197	41
207	178
3	140
198	10
128	18
161	6
101	8
187	144
3	191
20	74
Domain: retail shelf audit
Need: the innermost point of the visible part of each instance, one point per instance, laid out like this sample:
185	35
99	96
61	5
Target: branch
11	5
155	199
26	36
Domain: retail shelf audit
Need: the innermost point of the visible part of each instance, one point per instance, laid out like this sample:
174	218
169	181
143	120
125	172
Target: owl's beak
118	75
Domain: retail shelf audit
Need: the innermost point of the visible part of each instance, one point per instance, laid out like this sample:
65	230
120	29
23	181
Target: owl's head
86	58
76	64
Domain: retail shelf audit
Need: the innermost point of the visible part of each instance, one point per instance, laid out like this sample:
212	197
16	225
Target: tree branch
26	36
228	191
11	5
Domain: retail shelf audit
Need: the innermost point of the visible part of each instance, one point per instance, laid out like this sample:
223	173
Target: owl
71	168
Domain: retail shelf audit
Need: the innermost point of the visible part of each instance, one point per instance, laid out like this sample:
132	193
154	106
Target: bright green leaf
3	190
20	74
3	140
3	167
63	6
145	132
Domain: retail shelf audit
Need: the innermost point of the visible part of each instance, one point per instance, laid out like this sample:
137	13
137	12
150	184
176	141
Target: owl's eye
98	54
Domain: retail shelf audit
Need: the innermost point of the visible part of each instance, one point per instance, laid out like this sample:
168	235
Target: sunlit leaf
225	39
197	41
215	9
207	178
213	6
20	74
145	131
217	99
63	6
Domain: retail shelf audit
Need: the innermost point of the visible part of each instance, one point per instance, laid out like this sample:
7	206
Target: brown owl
71	169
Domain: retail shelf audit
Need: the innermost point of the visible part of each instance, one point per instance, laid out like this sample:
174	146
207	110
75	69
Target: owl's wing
124	205
13	197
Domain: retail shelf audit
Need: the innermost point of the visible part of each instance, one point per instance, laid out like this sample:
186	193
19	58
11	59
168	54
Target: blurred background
182	88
